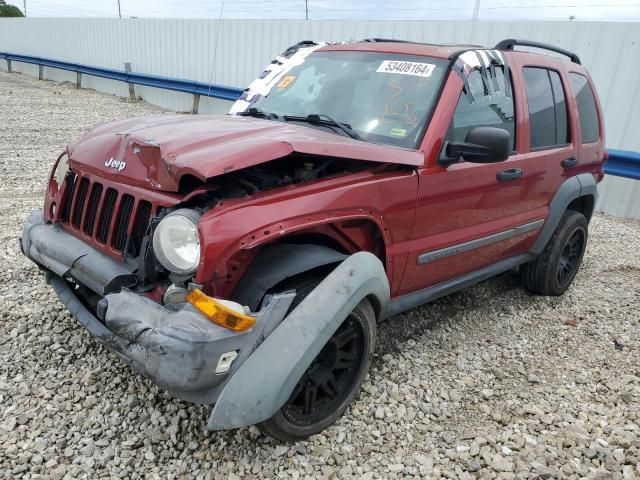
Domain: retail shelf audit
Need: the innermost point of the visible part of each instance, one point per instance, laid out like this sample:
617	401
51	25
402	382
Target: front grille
122	222
80	199
70	182
92	210
104	216
140	225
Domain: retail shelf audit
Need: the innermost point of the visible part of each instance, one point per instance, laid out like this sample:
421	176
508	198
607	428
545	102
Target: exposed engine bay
290	170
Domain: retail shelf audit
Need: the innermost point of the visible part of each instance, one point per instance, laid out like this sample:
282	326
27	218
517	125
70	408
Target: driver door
465	212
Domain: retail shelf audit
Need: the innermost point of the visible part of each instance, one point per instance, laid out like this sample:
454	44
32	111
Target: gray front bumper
63	254
178	349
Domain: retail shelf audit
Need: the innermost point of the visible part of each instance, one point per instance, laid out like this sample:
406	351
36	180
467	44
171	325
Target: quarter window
486	101
586	107
548	119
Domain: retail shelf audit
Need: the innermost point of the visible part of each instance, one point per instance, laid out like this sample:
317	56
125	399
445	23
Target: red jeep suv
244	260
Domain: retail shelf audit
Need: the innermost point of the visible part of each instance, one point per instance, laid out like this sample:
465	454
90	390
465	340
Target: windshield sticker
273	74
398	132
286	81
417	69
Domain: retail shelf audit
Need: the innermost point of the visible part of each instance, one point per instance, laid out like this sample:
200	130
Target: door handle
509	174
570	162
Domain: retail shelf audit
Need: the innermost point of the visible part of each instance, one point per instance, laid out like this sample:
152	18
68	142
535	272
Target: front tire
331	382
553	271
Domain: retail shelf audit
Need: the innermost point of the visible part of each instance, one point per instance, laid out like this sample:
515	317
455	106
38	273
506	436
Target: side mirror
482	145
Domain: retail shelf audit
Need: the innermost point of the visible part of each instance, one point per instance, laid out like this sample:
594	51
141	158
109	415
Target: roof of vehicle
402	47
444	51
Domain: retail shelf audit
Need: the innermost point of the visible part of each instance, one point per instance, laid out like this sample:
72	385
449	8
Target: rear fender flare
264	382
575	187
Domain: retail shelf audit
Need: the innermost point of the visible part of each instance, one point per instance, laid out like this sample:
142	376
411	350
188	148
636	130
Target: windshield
384	97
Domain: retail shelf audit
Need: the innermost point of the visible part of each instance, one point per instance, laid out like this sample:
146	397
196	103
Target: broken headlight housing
60	169
176	242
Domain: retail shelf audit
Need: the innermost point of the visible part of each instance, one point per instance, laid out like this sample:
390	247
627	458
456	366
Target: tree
9	10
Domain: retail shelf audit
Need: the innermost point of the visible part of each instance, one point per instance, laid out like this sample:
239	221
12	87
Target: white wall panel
187	48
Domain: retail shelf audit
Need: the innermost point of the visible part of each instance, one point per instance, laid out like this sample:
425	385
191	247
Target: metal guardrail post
131	78
196	103
132	88
40	72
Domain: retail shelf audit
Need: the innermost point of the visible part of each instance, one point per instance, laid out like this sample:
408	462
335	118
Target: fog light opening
225	361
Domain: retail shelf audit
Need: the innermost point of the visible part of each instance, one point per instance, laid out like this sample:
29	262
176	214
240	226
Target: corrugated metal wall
241	48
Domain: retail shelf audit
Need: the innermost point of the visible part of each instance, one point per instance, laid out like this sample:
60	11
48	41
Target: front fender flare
264	382
275	263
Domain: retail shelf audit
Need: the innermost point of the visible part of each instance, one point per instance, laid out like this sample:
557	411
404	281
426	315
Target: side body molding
572	188
264	382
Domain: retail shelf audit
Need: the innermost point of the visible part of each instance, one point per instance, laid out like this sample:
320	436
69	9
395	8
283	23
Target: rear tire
331	382
553	271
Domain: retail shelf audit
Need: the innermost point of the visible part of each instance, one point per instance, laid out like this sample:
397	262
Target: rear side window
586	107
548	118
486	101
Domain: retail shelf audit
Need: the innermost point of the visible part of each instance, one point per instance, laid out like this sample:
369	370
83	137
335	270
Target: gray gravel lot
488	383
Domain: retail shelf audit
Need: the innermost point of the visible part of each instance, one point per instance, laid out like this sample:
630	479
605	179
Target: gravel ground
488	383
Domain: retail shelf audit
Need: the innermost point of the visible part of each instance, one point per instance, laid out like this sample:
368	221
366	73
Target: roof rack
385	40
393	40
512	42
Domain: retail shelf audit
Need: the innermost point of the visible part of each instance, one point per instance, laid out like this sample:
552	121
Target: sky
612	10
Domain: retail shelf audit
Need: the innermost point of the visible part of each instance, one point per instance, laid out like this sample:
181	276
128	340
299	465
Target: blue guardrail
622	163
175	84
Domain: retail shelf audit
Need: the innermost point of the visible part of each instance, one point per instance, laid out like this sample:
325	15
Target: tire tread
538	276
276	425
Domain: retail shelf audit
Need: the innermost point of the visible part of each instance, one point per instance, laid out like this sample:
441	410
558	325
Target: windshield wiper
256	112
322	119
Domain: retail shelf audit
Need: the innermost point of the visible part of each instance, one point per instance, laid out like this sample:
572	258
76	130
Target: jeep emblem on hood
117	164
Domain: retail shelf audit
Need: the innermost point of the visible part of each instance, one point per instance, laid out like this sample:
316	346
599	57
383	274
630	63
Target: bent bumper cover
62	253
179	350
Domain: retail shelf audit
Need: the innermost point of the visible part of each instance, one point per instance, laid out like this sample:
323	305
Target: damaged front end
247	374
174	345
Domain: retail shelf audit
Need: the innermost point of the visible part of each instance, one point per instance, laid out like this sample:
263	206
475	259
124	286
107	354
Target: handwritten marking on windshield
406	118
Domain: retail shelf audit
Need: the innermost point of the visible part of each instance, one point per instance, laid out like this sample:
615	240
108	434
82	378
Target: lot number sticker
416	69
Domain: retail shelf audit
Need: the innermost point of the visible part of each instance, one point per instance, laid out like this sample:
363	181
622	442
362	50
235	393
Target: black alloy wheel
327	381
570	258
553	271
331	381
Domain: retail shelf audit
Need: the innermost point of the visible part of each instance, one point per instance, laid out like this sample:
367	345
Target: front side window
385	97
486	101
586	107
548	120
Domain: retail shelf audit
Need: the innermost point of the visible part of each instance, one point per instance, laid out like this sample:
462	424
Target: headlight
176	242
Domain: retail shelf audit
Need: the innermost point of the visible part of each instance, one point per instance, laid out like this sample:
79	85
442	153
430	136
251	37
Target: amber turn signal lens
220	313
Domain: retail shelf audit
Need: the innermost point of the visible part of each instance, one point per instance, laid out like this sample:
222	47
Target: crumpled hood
155	152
